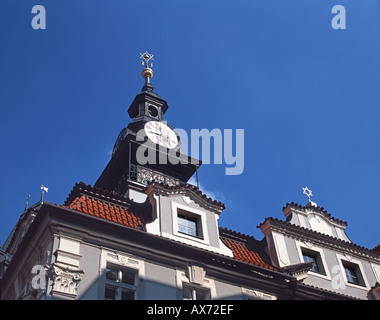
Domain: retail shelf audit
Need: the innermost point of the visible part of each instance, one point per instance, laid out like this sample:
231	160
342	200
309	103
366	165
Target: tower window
315	258
153	111
353	274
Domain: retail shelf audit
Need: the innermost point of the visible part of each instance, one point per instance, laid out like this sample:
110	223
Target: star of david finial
308	192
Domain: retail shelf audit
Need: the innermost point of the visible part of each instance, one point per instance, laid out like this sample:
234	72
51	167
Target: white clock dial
161	134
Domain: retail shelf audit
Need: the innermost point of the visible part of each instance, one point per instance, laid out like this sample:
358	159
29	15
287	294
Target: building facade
143	232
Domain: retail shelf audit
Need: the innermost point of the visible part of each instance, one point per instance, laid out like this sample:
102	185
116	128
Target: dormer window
311	258
315	258
353	274
352	271
189	223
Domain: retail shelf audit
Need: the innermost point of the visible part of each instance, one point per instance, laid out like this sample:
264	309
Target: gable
184	214
316	219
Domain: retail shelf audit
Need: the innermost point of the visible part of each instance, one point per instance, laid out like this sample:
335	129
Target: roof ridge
376	249
83	188
225	232
317	208
109	211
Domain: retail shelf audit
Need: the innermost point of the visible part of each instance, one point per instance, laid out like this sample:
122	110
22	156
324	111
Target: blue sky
306	95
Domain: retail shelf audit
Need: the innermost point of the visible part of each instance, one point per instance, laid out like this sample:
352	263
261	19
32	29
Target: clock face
161	134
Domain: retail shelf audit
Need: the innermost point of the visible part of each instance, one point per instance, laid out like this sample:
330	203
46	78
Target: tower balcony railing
144	176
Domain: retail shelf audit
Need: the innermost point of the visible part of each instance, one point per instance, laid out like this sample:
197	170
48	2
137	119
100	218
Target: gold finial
146	61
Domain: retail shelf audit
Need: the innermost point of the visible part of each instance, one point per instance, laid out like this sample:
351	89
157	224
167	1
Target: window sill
190	235
316	273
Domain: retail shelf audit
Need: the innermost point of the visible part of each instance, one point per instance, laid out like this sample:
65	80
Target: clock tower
147	133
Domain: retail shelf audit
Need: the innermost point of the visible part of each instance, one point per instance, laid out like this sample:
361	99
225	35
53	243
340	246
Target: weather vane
307	191
27	202
146	61
44	189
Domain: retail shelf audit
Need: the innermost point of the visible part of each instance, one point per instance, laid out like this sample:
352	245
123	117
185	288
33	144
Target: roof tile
245	248
106	211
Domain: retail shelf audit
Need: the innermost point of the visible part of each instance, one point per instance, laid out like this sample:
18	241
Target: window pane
309	257
111	274
187	225
187	293
110	293
127	295
351	275
191	293
181	221
128	277
201	295
192	232
191	224
182	228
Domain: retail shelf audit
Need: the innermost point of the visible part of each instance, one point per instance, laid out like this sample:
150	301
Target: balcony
145	176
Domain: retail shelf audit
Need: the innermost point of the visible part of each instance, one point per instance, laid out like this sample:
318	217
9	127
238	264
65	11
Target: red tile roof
114	208
105	210
242	253
246	248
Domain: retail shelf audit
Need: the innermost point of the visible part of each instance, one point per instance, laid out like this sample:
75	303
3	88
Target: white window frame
310	247
195	288
118	284
351	260
120	260
198	215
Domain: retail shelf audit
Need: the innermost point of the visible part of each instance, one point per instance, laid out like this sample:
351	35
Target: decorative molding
67	258
255	294
182	277
186	190
65	280
308	244
125	261
196	274
187	199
